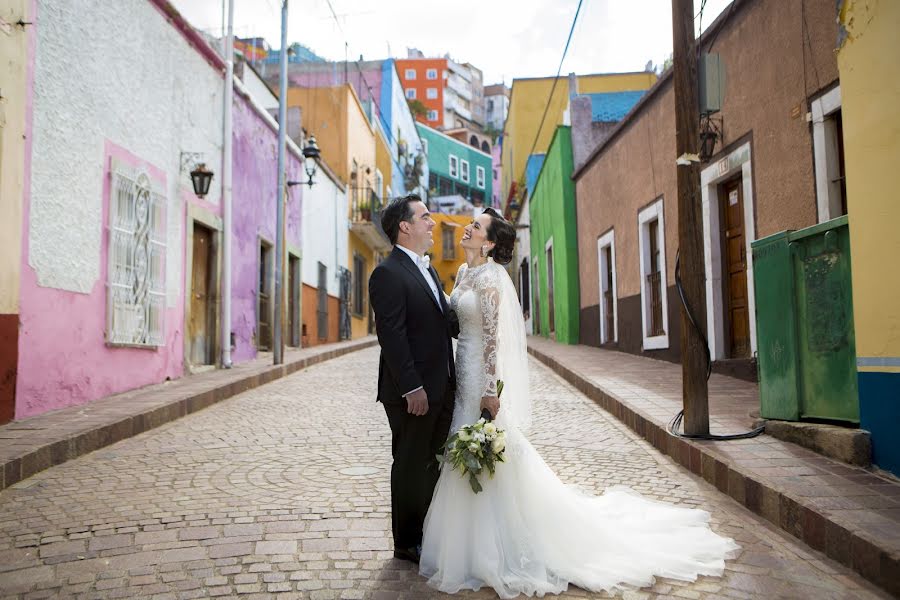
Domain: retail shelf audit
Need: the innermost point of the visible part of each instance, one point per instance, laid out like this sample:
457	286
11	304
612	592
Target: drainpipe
226	189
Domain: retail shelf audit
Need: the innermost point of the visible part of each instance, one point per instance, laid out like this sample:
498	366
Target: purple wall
329	78
254	185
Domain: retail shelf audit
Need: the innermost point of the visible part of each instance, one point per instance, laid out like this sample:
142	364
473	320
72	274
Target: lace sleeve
488	293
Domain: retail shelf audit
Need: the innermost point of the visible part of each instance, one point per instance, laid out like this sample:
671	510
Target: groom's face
419	228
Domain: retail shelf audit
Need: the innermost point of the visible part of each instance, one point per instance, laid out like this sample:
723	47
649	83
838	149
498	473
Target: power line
555	80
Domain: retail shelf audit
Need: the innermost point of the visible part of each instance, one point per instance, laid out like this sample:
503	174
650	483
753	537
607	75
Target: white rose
473	447
490	429
478	437
464	435
498	445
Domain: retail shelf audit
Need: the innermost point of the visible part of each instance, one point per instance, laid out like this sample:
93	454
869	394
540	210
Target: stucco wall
552	217
254	195
870	90
324	231
765	104
91	104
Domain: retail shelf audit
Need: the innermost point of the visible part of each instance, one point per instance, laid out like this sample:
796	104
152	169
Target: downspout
226	188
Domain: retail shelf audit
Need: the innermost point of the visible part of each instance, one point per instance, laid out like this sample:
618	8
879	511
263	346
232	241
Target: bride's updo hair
503	234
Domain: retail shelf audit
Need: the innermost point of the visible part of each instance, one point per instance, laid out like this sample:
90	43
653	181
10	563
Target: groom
416	375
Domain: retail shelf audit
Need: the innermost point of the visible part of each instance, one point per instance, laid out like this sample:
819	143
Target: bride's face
475	233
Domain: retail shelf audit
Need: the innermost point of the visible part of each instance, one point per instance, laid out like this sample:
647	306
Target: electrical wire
555	80
675	423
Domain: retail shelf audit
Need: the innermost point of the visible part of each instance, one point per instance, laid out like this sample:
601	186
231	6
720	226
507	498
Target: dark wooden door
293	333
608	309
737	315
551	324
199	329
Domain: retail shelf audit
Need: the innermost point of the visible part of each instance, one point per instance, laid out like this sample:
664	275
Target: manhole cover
359	471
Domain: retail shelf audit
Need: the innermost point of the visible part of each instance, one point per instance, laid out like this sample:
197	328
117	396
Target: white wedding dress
528	532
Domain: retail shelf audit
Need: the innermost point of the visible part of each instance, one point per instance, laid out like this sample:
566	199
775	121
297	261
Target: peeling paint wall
254	195
143	96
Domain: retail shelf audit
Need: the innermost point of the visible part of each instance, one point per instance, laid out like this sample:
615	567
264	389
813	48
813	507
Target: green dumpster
804	324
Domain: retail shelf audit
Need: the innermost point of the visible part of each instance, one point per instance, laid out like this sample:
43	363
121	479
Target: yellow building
351	144
13	85
870	95
446	255
528	100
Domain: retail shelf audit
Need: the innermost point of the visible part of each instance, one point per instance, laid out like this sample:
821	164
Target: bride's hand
492	403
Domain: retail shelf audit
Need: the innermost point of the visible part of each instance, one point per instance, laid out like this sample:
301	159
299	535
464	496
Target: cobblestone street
284	490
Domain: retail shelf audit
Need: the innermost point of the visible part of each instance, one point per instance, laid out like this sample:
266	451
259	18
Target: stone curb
118	427
786	511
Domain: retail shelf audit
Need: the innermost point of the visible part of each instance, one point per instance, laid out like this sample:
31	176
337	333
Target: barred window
136	277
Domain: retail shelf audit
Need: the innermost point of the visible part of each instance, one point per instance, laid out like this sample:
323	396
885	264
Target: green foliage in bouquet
475	448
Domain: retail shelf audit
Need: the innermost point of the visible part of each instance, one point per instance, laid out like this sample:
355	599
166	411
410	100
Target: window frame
431	94
607	272
654	211
435	116
479	177
429	73
407	76
411	94
454	166
464	171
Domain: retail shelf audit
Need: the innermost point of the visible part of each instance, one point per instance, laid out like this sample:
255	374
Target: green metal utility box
804	324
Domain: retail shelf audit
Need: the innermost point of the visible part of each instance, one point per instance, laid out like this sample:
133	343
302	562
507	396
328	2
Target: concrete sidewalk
37	443
849	513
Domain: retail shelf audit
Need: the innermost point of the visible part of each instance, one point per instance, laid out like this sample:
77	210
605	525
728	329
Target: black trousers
415	442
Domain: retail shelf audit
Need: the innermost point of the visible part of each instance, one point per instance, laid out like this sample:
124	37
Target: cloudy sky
504	38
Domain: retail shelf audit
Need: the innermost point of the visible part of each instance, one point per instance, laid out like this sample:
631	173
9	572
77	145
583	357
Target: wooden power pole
690	242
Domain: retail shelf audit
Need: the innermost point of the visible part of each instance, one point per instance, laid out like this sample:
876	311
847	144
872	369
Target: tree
417	108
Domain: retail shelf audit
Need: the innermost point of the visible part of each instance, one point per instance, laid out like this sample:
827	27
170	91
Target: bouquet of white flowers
475	448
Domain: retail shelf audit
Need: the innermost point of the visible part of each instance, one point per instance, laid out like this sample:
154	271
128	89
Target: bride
528	532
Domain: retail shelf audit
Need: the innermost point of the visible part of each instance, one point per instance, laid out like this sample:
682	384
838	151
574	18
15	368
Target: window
606	250
479	177
464	170
359	284
136	277
448	243
431	93
410	74
379	185
264	297
411	93
828	154
654	307
431	74
525	288
490	106
454	166
432	115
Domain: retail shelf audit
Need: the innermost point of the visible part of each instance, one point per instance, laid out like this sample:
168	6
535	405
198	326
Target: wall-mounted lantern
201	177
311	153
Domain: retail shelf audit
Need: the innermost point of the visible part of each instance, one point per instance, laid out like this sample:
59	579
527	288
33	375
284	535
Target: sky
506	39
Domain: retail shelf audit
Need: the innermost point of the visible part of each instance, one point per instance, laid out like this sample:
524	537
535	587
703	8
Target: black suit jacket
413	329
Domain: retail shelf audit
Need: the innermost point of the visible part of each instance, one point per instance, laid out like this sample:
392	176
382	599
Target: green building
554	242
455	167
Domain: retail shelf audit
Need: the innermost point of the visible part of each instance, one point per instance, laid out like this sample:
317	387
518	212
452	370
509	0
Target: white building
496	106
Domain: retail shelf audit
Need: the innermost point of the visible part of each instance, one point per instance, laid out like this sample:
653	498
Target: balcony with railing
365	218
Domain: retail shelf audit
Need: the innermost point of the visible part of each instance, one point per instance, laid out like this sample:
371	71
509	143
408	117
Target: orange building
423	79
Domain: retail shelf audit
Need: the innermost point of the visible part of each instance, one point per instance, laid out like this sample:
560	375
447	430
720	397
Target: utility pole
695	393
277	342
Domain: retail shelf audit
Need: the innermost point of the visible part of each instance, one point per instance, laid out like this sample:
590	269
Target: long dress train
527	532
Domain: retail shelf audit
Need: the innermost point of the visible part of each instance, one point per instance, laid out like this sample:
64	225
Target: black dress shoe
410	554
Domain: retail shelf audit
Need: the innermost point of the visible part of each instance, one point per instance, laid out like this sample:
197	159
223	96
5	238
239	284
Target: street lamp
201	177
311	153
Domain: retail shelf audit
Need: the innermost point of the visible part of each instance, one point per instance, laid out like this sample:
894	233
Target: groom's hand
417	403
492	403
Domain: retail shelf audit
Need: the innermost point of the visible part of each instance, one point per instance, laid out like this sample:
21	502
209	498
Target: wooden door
734	265
264	310
536	320
608	309
293	333
199	329
551	325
